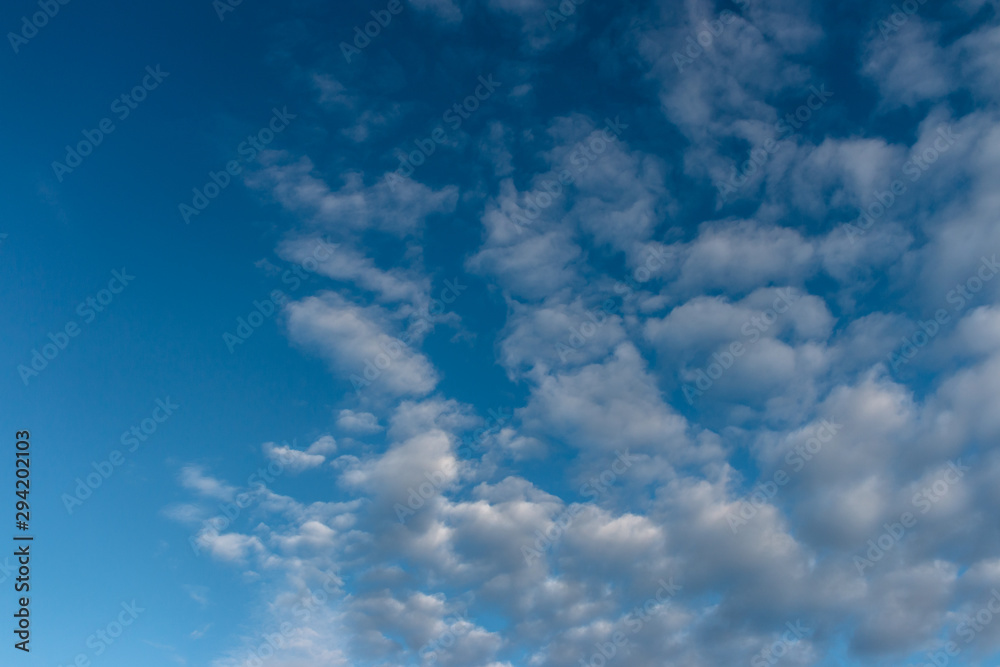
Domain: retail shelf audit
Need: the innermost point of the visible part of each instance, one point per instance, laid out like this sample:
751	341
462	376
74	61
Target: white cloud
344	263
297	460
194	478
354	339
358	206
402	584
362	423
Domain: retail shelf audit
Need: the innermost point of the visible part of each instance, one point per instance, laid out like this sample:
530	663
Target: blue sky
512	333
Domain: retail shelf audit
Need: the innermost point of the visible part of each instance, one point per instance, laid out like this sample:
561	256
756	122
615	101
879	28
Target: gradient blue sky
587	321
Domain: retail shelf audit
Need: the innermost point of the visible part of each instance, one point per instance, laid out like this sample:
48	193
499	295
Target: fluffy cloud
296	460
481	514
357	344
395	209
